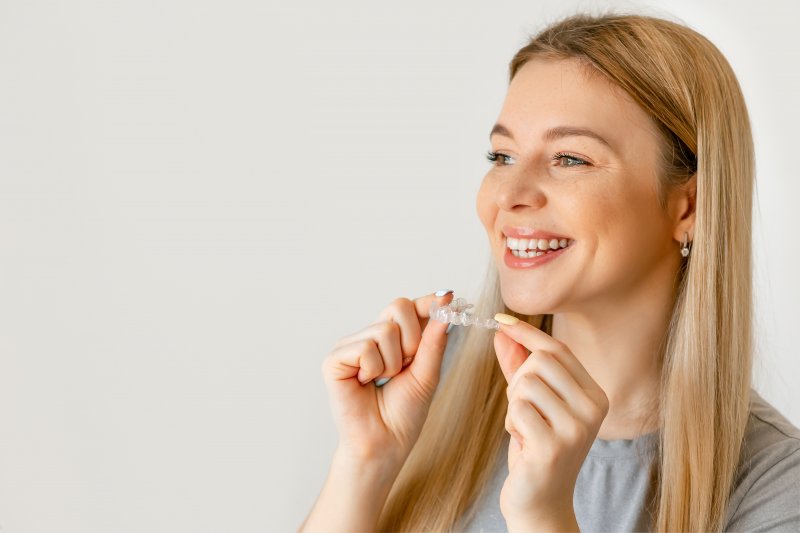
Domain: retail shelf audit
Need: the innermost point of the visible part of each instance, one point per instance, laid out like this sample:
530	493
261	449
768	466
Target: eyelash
493	156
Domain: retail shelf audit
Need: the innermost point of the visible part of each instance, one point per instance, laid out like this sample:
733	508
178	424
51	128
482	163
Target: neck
619	344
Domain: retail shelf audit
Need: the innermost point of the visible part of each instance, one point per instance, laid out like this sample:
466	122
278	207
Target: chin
525	302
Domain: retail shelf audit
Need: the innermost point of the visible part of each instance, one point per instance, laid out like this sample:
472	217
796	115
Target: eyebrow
556	132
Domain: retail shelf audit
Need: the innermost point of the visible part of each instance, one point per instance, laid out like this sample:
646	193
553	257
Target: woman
617	393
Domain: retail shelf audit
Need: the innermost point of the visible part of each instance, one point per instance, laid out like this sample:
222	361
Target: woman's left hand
555	410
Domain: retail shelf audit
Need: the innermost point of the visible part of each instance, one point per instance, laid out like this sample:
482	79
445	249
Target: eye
493	157
572	160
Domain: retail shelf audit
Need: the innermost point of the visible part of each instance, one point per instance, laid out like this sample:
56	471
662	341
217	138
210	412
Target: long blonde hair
685	84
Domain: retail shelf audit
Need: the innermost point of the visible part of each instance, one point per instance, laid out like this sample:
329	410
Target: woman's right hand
383	423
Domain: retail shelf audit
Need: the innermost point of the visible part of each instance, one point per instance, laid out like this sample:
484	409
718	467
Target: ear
684	201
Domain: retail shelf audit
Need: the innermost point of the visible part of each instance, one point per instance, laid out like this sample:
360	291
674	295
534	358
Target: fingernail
506	319
443	292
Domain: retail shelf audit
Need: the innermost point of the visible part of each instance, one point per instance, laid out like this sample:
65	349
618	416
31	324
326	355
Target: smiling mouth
527	248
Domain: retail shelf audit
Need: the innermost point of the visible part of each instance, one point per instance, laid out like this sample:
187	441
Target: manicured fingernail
443	292
506	319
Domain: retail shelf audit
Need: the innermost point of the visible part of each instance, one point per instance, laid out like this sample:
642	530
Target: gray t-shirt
612	486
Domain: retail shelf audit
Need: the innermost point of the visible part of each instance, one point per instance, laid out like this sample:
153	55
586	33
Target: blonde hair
685	84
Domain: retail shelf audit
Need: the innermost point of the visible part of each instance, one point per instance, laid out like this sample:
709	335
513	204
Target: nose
517	191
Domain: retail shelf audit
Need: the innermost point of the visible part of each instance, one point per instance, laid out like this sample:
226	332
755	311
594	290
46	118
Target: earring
685	245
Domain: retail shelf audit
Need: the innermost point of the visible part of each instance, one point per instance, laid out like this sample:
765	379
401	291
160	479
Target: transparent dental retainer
456	313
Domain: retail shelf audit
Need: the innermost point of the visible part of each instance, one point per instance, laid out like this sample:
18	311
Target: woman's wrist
561	521
375	471
353	496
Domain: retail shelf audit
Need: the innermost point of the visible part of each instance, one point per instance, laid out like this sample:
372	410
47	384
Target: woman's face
601	196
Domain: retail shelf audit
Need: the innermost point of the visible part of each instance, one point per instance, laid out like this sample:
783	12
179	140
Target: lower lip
513	261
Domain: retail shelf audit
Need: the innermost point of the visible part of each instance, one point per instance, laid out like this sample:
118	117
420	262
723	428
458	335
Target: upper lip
525	232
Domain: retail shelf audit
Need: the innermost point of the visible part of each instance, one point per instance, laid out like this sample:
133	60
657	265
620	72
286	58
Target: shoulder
769	436
766	495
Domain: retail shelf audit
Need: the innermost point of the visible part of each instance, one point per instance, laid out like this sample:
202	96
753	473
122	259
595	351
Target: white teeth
533	245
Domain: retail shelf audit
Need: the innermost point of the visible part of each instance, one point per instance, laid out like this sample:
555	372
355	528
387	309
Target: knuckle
516	407
388	328
514	387
575	433
388	335
604	403
393	365
531	380
561	346
542	355
400	303
366	345
370	356
534	361
596	412
556	346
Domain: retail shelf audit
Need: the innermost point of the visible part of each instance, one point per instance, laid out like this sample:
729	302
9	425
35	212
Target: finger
386	335
526	424
359	358
402	313
510	354
427	362
550	370
430	344
535	339
412	315
553	410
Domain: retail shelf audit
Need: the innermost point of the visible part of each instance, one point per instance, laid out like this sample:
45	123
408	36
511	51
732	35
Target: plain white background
197	198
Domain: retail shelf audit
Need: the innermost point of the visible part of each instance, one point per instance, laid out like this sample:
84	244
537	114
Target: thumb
427	362
510	354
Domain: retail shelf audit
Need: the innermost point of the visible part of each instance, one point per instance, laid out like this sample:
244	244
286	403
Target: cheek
626	225
613	212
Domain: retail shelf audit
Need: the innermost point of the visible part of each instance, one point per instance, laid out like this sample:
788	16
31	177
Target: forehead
548	93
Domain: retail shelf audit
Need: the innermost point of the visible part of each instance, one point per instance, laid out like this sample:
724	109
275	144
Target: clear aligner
456	313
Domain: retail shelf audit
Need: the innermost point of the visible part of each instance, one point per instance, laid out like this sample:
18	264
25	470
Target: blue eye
493	156
560	155
572	161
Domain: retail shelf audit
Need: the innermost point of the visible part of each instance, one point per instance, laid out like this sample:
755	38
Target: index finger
411	332
411	341
533	338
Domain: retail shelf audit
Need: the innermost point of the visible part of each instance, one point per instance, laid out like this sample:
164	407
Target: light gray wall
197	198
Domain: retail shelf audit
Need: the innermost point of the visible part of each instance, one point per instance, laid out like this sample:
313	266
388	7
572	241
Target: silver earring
685	245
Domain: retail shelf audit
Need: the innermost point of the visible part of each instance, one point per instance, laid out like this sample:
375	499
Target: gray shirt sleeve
771	501
766	495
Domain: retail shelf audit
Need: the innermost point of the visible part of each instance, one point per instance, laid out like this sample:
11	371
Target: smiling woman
616	395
